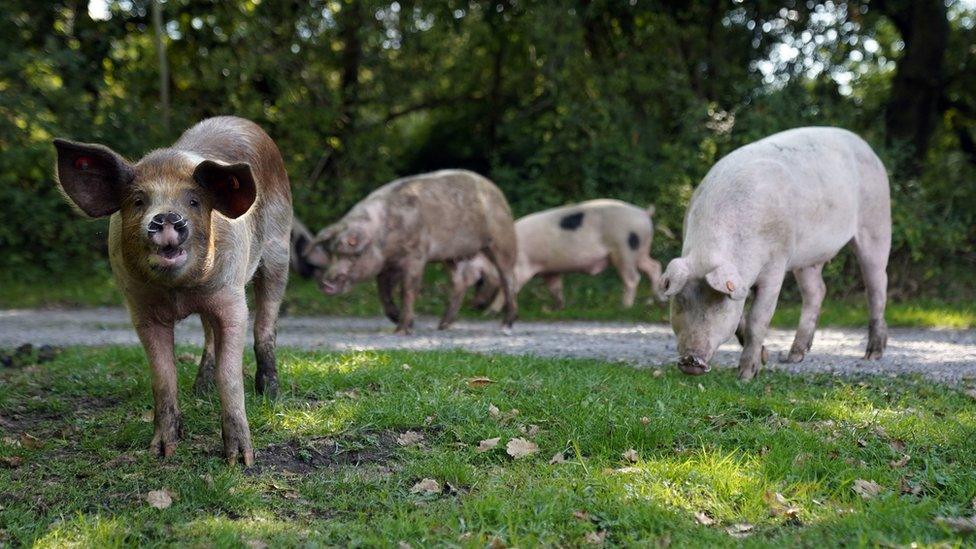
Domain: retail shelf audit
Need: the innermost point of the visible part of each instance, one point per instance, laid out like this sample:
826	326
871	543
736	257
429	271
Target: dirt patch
307	456
20	419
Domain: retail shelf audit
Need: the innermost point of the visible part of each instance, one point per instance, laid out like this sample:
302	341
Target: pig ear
675	277
232	186
725	279
352	241
93	177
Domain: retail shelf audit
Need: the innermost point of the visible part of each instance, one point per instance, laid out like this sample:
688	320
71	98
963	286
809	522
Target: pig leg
413	274
554	282
385	282
269	290
757	323
740	335
458	287
626	266
230	326
208	363
157	340
505	266
871	246
813	290
652	270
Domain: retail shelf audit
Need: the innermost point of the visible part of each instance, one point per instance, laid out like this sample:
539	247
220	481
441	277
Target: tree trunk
157	18
913	110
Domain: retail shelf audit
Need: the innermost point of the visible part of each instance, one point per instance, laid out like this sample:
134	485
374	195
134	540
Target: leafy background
555	101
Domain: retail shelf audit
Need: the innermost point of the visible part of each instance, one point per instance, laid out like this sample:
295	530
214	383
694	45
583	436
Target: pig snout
692	365
168	230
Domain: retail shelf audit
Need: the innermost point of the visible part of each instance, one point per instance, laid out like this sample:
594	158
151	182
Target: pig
581	238
190	226
300	237
788	202
446	216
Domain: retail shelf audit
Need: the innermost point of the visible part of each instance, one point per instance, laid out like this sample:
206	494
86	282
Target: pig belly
822	233
588	264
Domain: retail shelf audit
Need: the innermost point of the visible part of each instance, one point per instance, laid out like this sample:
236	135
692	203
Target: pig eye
194	203
137	202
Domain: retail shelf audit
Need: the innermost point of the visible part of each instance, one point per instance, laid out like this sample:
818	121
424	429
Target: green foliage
556	102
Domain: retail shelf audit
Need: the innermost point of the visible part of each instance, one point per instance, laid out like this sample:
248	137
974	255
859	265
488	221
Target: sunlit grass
708	445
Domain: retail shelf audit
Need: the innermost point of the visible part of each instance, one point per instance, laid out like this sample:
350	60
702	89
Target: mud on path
942	355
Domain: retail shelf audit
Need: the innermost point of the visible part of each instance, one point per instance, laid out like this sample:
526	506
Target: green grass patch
330	471
595	298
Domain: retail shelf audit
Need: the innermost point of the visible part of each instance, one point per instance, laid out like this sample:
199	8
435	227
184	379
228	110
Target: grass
587	298
330	472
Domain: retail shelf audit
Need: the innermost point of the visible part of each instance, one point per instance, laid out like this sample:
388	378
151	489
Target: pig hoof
874	354
243	455
444	325
164	442
746	374
267	385
794	357
403	331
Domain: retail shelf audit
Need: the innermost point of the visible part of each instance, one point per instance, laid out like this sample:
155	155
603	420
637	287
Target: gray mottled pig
786	203
392	234
581	238
190	226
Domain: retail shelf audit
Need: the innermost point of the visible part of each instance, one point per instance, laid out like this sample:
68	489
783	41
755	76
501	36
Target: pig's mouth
332	287
168	257
692	365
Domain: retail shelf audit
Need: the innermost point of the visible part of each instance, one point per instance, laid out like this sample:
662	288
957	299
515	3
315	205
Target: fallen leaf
658	373
147	416
780	506
256	544
410	438
497	543
207	480
428	420
351	394
30	442
867	489
899	463
558	457
802	458
740	530
160	499
478	382
519	448
595	538
862	443
533	430
487	444
493	410
404	545
186	357
701	388
426	486
405	366
11	462
645	420
960	525
704	519
905	486
897	446
581	515
630	455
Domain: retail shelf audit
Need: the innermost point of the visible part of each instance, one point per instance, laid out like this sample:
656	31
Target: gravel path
943	355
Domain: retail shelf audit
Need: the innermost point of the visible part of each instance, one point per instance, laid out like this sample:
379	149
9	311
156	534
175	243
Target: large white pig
788	202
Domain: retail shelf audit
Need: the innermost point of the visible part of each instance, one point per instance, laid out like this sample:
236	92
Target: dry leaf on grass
487	444
905	486
899	463
595	538
478	382
519	448
658	373
531	430
405	366
404	545
493	411
256	544
897	446
351	394
30	442
497	543
410	438
780	506
426	486
867	489
11	462
630	455
960	525
740	530
581	516
160	499
187	357
147	416
558	457
704	519
645	420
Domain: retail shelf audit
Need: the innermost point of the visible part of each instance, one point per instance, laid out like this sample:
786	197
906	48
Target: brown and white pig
788	202
392	234
190	226
582	238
